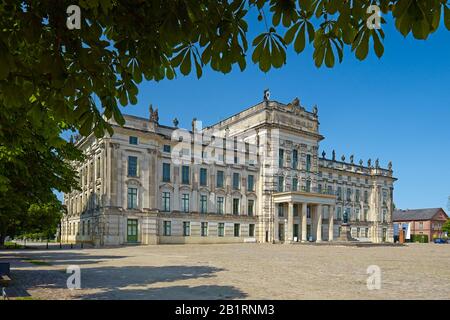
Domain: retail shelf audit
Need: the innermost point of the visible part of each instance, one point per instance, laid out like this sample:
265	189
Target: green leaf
447	17
329	56
299	44
289	36
377	45
186	64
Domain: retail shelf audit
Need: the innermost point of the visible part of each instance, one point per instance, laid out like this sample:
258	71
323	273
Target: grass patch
12	245
37	262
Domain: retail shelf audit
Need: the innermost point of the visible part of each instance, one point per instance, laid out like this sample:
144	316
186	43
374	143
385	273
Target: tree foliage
122	42
446	227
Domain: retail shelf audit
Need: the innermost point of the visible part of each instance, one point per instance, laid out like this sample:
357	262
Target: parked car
440	241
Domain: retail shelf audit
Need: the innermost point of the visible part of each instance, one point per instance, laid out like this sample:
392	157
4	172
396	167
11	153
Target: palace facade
256	176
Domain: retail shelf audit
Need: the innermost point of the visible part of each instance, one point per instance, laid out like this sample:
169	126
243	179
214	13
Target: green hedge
421	238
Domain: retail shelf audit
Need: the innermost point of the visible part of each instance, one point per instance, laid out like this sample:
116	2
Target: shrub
421	238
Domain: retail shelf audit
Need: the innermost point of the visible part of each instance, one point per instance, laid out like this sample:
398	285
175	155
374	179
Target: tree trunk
2	239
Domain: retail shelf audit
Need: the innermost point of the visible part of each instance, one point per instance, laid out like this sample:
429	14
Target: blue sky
394	108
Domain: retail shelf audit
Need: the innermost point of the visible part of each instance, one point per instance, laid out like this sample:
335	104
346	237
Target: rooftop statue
153	114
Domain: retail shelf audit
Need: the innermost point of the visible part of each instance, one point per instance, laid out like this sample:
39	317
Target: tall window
236	206
357	195
166	201
166	172
203	203
349	194
132	198
366	214
133	140
280	210
319	188
220	205
82	228
237	229
357	214
308	186
98	168
308	163
294	184
185	174
132	166
167	228
250	207
251	230
236	177
280	158
204	229
251	183
219	183
186	228
330	190
89	227
366	196
185	202
339	193
338	213
203	176
294	159
221	229
280	184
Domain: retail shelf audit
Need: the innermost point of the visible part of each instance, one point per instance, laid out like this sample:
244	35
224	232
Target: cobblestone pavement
234	271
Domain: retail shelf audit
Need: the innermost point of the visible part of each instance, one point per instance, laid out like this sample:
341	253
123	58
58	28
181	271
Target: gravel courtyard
237	271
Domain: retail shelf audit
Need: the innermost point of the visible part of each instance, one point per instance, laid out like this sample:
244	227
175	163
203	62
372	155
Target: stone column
319	223
304	221
290	223
330	223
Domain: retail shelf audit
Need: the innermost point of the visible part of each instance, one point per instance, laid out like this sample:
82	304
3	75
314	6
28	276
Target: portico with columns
300	217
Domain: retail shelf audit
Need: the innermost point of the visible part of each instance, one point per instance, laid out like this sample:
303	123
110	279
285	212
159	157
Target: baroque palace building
256	176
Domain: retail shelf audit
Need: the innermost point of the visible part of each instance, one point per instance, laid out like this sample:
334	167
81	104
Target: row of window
220	177
294	162
73	228
167	229
220	204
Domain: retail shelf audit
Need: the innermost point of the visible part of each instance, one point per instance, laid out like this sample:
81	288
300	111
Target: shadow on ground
57	258
128	282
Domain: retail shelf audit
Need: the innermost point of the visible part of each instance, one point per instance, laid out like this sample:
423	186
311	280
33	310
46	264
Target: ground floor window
251	230
221	229
204	229
83	228
281	232
89	227
237	229
167	228
186	228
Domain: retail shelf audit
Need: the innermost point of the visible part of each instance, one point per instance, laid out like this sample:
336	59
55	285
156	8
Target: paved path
235	271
